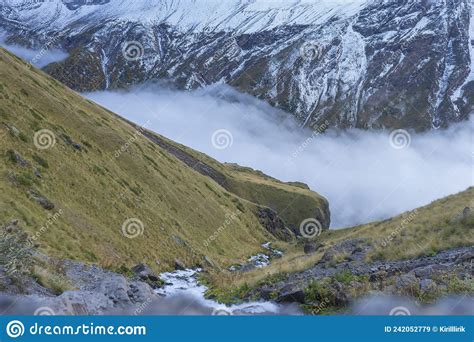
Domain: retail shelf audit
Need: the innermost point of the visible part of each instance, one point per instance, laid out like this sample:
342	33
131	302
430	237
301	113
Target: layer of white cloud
38	58
363	176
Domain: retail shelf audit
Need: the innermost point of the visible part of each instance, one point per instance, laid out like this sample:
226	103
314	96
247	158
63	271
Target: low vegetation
117	197
443	224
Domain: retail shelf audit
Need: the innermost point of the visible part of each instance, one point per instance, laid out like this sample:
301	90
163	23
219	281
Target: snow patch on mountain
379	63
471	39
470	78
240	15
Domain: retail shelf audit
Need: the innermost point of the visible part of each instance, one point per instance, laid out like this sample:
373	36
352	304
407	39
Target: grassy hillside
74	197
445	223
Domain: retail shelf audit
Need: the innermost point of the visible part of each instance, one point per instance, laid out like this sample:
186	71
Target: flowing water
184	283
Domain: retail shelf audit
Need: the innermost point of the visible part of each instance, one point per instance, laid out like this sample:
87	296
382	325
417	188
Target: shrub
41	161
15	254
54	281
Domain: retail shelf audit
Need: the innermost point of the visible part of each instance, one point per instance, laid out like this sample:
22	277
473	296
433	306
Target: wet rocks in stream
259	260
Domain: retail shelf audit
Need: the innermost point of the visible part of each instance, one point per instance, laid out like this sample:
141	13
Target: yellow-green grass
118	175
424	231
294	202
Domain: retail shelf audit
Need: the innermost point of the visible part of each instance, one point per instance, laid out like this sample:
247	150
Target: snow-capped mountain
355	63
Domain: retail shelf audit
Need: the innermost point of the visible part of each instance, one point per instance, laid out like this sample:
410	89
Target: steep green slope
108	192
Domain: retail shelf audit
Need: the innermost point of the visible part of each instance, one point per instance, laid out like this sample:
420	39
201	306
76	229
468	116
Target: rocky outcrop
144	273
90	289
179	264
274	224
96	292
375	64
269	218
40	199
185	157
346	278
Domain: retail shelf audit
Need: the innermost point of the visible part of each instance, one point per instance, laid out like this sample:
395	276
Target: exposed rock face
188	159
274	224
97	292
366	64
146	274
19	159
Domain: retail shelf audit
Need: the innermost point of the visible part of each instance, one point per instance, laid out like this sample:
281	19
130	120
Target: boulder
140	292
430	270
115	288
466	212
37	173
340	293
80	303
465	257
405	280
13	130
179	265
179	241
265	293
291	294
41	200
355	249
144	272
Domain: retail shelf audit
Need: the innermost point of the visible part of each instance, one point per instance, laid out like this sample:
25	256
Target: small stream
184	283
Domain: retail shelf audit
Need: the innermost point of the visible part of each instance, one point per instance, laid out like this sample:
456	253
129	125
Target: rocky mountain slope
84	184
423	254
357	63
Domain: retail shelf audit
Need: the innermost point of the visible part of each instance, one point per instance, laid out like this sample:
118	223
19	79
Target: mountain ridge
373	64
